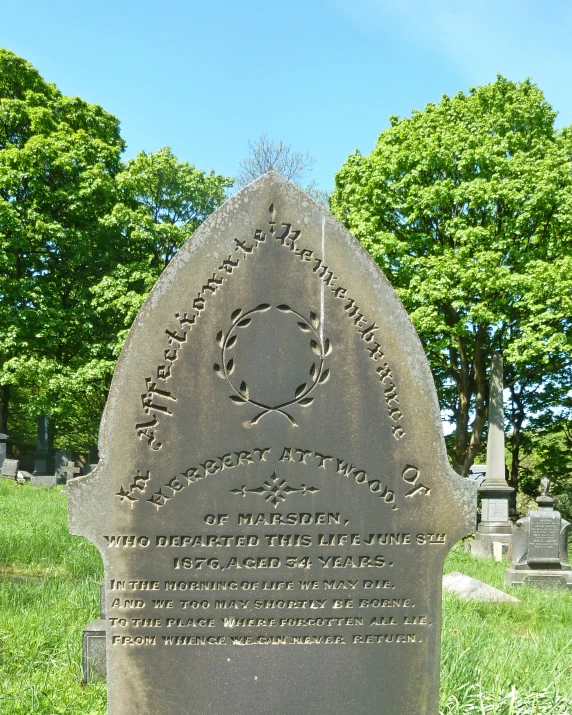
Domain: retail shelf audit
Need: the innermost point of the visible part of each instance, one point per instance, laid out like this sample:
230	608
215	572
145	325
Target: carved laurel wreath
318	373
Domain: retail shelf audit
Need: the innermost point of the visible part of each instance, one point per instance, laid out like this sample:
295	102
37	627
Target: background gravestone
93	662
3	441
42	454
494	532
43	480
62	457
273	501
540	549
10	468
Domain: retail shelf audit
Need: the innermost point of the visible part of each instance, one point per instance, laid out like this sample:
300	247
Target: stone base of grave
43	480
93	662
491	545
541	578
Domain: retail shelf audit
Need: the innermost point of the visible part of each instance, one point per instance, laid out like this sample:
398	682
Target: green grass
49	590
497	659
505	658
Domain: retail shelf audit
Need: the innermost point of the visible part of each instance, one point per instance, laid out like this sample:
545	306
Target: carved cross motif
275	490
71	470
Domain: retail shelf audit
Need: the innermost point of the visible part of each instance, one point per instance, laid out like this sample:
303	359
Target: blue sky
323	75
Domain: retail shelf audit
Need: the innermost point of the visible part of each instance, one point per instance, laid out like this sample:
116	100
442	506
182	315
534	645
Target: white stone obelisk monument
495	527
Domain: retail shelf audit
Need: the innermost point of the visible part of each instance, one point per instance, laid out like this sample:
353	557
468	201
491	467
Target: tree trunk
481	387
4	408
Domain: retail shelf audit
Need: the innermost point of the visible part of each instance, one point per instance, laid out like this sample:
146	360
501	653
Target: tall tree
264	155
467	208
161	202
58	159
82	240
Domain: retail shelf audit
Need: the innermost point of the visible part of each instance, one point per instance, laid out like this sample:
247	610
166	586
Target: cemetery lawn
497	659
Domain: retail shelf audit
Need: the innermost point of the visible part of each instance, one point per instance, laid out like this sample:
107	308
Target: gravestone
540	547
62	457
24	476
3	442
42	455
478	474
494	531
43	480
471	589
273	501
71	471
10	468
93	662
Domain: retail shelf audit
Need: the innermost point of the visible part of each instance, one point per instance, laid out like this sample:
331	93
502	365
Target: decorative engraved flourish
318	374
139	484
275	490
367	330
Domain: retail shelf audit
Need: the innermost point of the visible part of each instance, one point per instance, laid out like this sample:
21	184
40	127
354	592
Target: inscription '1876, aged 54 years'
273	504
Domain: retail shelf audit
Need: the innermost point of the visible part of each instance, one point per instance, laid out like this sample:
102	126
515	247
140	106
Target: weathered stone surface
273	502
471	589
46	480
10	468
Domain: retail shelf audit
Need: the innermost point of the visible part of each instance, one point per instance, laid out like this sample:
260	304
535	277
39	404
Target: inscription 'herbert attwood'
271	490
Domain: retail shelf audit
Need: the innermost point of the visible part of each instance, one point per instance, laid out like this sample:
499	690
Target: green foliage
58	161
82	240
162	202
467	208
548	450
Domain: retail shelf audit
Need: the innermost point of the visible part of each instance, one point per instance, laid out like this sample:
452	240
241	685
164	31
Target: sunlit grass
497	659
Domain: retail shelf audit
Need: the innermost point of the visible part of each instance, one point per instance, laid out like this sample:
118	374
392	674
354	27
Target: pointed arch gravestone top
273	503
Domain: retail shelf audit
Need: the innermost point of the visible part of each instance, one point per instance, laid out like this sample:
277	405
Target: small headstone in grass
93	663
471	589
43	480
3	443
273	502
23	476
540	546
71	471
10	468
63	456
